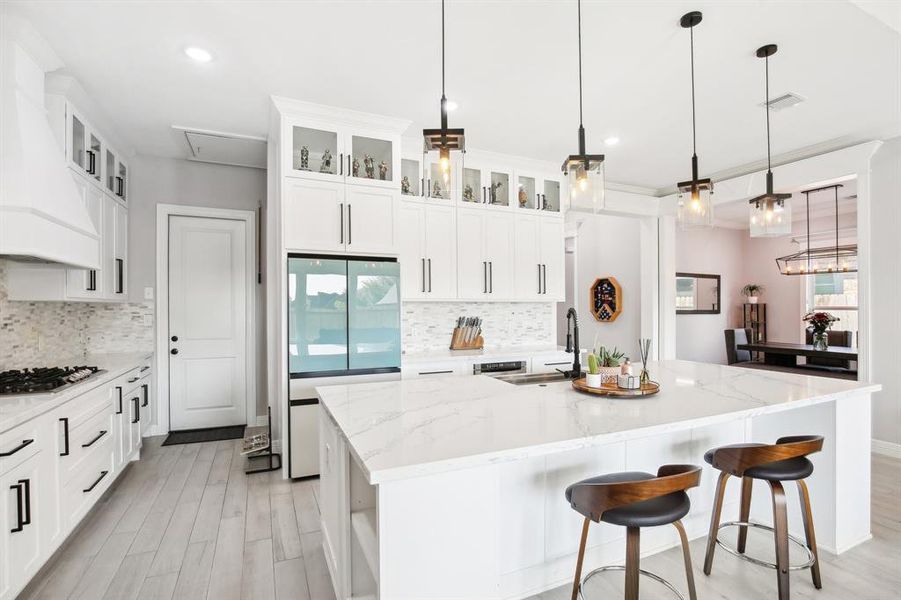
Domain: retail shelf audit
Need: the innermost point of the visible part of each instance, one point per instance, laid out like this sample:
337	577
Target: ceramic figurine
436	191
356	167
493	190
468	194
369	165
523	198
405	186
326	165
383	170
305	158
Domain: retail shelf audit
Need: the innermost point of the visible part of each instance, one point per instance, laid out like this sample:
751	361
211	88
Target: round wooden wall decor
606	299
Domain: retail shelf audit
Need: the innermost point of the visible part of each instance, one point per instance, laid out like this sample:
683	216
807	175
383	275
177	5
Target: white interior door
208	328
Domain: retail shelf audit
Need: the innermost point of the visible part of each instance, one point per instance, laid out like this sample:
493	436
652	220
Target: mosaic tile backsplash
427	326
39	333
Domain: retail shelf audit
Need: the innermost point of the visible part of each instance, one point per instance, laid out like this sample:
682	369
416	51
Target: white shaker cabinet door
314	215
529	276
499	252
411	246
472	269
440	252
369	220
88	283
553	259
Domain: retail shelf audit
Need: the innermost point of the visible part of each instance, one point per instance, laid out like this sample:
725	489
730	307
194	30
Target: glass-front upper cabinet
411	179
110	168
78	151
485	186
122	181
316	152
527	194
371	160
473	190
550	197
498	188
439	187
94	158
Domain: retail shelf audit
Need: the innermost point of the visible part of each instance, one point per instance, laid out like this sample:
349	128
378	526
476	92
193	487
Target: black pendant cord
694	132
836	228
807	200
581	126
766	105
442	49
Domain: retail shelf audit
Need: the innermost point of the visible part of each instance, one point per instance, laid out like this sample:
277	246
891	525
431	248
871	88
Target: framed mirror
697	294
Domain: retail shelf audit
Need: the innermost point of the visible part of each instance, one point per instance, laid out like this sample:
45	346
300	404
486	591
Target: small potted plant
609	363
751	291
819	323
593	377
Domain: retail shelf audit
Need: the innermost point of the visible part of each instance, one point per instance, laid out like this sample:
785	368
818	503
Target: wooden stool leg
633	556
804	494
780	524
579	558
747	485
715	521
686	555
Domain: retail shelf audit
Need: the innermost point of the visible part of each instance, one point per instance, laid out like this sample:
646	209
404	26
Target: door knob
173	351
174	338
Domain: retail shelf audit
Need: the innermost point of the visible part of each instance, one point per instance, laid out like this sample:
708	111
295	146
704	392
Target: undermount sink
533	378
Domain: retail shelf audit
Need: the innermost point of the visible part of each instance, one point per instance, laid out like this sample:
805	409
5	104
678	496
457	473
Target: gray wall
156	180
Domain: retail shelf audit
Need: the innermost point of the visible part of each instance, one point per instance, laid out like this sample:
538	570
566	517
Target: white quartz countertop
15	410
408	428
489	352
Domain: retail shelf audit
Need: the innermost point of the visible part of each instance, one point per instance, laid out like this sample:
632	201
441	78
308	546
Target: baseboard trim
887	448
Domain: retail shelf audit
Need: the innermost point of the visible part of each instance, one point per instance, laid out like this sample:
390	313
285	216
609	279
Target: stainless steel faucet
572	343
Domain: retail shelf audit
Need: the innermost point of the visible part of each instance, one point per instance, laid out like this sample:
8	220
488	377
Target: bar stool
786	460
635	500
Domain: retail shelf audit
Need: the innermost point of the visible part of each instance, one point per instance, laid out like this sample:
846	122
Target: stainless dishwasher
493	369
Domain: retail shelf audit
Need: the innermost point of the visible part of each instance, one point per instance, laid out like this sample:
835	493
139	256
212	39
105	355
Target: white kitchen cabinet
427	247
370	220
485	252
116	175
485	185
120	255
539	260
87	284
23	489
553	258
436	369
549	363
538	191
334	510
499	253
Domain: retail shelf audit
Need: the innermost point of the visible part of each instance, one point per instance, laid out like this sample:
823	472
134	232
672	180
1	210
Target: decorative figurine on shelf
356	167
383	170
326	165
493	190
436	191
468	195
523	198
305	159
405	186
369	165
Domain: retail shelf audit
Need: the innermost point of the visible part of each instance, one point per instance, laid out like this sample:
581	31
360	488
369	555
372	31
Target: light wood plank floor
186	522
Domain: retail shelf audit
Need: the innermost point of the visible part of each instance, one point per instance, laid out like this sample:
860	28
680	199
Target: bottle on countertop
627	367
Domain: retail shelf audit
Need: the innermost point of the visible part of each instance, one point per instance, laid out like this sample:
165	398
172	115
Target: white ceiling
735	215
511	66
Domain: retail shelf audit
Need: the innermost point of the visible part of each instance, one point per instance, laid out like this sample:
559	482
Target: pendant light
770	212
440	174
585	172
828	259
695	202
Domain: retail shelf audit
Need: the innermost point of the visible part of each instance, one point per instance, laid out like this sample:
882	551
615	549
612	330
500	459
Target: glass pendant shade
771	216
696	205
586	183
441	171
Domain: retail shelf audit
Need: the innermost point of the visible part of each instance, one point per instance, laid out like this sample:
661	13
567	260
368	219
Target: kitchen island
453	487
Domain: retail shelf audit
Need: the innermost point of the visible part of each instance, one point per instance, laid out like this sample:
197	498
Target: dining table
786	354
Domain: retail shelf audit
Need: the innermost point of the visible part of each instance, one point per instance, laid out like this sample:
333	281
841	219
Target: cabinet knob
173	351
174	338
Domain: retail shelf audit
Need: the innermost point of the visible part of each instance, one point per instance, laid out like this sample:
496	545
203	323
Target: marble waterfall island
453	487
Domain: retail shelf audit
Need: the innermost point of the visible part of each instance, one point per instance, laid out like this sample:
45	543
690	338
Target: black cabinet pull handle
484	195
17	448
434	372
348	164
133	379
430	275
174	339
491	277
422	186
145	367
119	389
119	184
484	277
19	507
539	278
146	395
92	281
92	169
423	275
173	351
120	268
544	268
341	163
102	433
96	481
341	229
137	401
350	226
27	484
65	422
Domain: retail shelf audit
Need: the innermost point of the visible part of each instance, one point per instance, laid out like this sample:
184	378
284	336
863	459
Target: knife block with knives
467	334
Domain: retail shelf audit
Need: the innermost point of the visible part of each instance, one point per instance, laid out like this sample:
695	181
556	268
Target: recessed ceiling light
198	54
611	141
451	105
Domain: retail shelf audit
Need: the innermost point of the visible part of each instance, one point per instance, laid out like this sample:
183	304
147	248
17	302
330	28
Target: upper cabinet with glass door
84	148
486	186
535	191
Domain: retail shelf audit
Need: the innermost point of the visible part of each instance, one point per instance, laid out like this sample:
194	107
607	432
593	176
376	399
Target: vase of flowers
819	323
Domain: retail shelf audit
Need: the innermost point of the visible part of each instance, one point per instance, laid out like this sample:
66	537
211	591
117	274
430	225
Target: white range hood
42	215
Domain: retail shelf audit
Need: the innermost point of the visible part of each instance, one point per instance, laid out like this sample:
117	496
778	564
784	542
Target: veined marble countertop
489	352
15	410
408	428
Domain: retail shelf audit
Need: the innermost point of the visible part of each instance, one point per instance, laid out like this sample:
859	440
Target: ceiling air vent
784	101
224	148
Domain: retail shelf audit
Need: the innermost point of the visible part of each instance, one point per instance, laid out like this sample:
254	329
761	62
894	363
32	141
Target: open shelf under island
421	474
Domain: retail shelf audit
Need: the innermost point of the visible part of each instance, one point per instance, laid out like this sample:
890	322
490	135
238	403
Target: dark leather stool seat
790	469
662	510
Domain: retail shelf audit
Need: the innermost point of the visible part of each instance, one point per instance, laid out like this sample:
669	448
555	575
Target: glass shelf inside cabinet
472	186
94	158
550	199
315	150
78	134
372	158
499	189
437	186
525	192
410	177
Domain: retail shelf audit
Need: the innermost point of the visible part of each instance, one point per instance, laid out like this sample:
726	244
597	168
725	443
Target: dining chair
733	338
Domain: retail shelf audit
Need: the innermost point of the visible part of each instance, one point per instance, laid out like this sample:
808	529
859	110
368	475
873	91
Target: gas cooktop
42	379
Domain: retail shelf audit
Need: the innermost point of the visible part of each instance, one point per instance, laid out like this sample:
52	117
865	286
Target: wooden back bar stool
786	460
635	500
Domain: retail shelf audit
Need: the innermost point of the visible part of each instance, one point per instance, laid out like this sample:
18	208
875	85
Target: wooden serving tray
611	389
